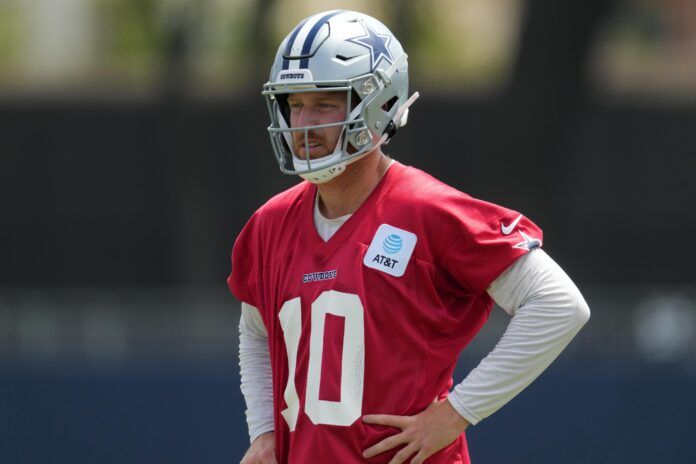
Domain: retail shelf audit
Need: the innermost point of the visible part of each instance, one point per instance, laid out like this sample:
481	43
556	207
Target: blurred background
133	148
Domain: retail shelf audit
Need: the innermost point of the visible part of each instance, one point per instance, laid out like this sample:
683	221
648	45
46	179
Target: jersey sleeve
242	280
490	239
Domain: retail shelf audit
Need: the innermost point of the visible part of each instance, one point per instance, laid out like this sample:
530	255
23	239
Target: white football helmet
342	51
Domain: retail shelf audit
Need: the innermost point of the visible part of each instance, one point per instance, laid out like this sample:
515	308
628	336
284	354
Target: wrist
264	439
458	421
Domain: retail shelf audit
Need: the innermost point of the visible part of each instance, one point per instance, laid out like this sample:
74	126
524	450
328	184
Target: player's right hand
262	450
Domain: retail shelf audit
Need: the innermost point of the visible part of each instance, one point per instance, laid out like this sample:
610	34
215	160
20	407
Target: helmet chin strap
322	176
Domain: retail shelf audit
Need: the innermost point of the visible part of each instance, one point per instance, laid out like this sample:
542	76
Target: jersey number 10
348	409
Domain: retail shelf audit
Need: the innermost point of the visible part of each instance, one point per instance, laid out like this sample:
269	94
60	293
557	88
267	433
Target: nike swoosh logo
507	230
346	59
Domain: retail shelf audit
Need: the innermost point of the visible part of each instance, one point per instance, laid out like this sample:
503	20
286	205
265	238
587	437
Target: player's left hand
424	434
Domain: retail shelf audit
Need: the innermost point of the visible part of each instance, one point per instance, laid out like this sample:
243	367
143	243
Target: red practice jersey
373	320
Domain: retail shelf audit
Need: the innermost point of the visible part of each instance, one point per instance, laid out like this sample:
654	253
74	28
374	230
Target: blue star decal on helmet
377	43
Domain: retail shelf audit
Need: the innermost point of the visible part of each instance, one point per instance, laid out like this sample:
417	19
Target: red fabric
414	326
334	331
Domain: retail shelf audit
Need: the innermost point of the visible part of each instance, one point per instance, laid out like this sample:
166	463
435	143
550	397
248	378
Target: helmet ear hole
354	99
387	107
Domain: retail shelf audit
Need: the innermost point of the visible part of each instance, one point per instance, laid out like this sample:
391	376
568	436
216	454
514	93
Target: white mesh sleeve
255	372
547	311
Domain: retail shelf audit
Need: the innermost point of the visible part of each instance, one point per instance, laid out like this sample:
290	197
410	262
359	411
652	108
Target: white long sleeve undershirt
255	371
547	311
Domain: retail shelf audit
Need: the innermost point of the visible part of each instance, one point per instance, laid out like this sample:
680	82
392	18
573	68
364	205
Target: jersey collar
325	249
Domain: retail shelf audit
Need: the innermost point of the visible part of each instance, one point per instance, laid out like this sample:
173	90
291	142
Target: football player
361	285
